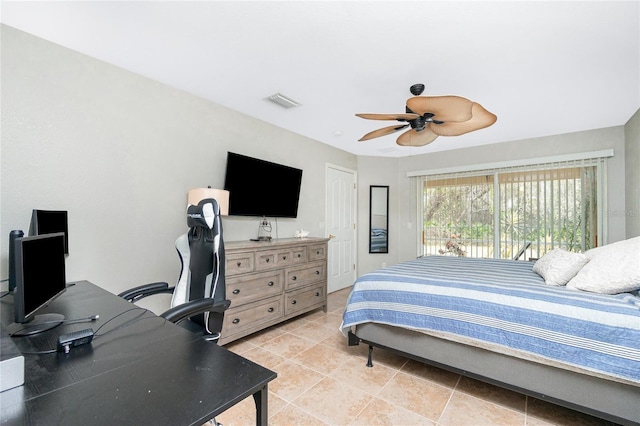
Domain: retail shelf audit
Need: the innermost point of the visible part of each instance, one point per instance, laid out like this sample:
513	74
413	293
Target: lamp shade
195	195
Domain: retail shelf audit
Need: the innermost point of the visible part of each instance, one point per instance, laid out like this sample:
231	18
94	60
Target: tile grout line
453	390
320	319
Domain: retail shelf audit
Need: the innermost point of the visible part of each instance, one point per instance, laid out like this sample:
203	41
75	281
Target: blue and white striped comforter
505	304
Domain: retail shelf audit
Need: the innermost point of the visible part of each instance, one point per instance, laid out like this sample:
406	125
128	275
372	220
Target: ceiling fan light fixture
283	101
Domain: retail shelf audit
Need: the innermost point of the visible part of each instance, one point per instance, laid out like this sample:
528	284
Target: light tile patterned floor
323	381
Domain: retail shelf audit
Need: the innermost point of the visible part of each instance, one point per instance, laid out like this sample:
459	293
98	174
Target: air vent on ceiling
283	101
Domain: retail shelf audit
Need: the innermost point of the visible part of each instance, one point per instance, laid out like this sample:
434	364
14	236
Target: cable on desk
125	324
96	335
128	322
69	321
50	351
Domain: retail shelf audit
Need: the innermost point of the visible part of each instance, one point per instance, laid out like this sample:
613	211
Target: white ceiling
543	68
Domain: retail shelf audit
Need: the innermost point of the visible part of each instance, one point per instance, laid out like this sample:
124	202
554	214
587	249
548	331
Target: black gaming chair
198	301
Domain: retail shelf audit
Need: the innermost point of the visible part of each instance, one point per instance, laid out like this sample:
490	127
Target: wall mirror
378	219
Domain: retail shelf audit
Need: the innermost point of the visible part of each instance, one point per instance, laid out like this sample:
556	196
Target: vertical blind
511	212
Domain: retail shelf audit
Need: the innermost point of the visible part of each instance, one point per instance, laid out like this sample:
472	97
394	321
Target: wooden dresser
270	282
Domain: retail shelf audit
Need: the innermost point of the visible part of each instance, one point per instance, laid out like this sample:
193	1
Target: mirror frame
381	201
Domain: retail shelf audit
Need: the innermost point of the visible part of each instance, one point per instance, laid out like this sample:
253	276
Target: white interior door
341	211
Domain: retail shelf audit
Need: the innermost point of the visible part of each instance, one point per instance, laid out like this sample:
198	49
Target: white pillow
612	269
558	266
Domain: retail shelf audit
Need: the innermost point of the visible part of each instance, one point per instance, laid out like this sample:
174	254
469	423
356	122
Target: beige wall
119	152
632	175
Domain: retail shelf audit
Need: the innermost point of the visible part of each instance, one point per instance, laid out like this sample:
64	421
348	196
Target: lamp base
264	230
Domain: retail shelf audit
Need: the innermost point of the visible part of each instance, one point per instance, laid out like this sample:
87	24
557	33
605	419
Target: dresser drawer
247	288
251	315
299	255
317	252
265	279
301	299
269	259
305	274
238	263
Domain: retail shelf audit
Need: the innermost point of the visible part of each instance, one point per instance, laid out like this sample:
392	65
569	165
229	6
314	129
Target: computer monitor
48	222
40	278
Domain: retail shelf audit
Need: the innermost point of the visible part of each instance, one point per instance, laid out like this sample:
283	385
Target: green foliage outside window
539	214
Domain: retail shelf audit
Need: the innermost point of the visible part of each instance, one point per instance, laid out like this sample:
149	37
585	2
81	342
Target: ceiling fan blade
382	132
443	108
480	119
399	117
414	138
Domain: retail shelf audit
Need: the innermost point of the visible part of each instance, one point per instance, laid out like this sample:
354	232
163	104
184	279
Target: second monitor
48	222
40	278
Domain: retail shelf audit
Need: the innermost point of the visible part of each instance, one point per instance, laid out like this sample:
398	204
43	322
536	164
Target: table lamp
195	195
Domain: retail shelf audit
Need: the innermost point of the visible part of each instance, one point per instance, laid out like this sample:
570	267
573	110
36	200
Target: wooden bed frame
606	399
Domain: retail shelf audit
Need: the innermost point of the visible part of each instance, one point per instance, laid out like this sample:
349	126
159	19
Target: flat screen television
261	188
48	222
40	278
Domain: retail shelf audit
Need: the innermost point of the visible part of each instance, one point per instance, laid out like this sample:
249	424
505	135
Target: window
512	213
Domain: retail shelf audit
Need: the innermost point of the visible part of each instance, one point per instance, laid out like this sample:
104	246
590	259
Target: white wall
593	140
377	171
120	152
403	223
632	175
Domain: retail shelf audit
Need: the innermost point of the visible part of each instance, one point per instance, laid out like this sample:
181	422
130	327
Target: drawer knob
235	321
317	293
318	252
270	310
284	257
239	264
293	302
270	283
293	278
299	255
236	291
317	272
267	260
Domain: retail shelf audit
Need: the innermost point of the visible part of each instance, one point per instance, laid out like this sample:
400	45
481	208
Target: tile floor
323	381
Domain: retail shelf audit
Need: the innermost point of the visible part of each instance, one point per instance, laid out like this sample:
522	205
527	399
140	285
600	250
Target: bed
514	324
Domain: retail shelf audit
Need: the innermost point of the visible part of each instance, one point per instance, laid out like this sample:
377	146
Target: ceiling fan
432	116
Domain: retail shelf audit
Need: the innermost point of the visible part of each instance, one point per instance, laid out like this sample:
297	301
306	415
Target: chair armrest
194	307
137	293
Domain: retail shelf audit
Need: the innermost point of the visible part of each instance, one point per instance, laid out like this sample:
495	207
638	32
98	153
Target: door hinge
354	226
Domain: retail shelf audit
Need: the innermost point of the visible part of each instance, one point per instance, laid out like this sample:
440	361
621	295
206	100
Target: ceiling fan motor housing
418	123
417	89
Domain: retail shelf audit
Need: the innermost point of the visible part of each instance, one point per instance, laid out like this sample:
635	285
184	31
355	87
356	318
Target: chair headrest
203	215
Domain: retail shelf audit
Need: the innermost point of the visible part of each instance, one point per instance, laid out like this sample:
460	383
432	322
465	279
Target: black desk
139	369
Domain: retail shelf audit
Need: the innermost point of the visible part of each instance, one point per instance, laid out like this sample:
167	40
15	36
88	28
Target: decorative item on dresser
270	282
